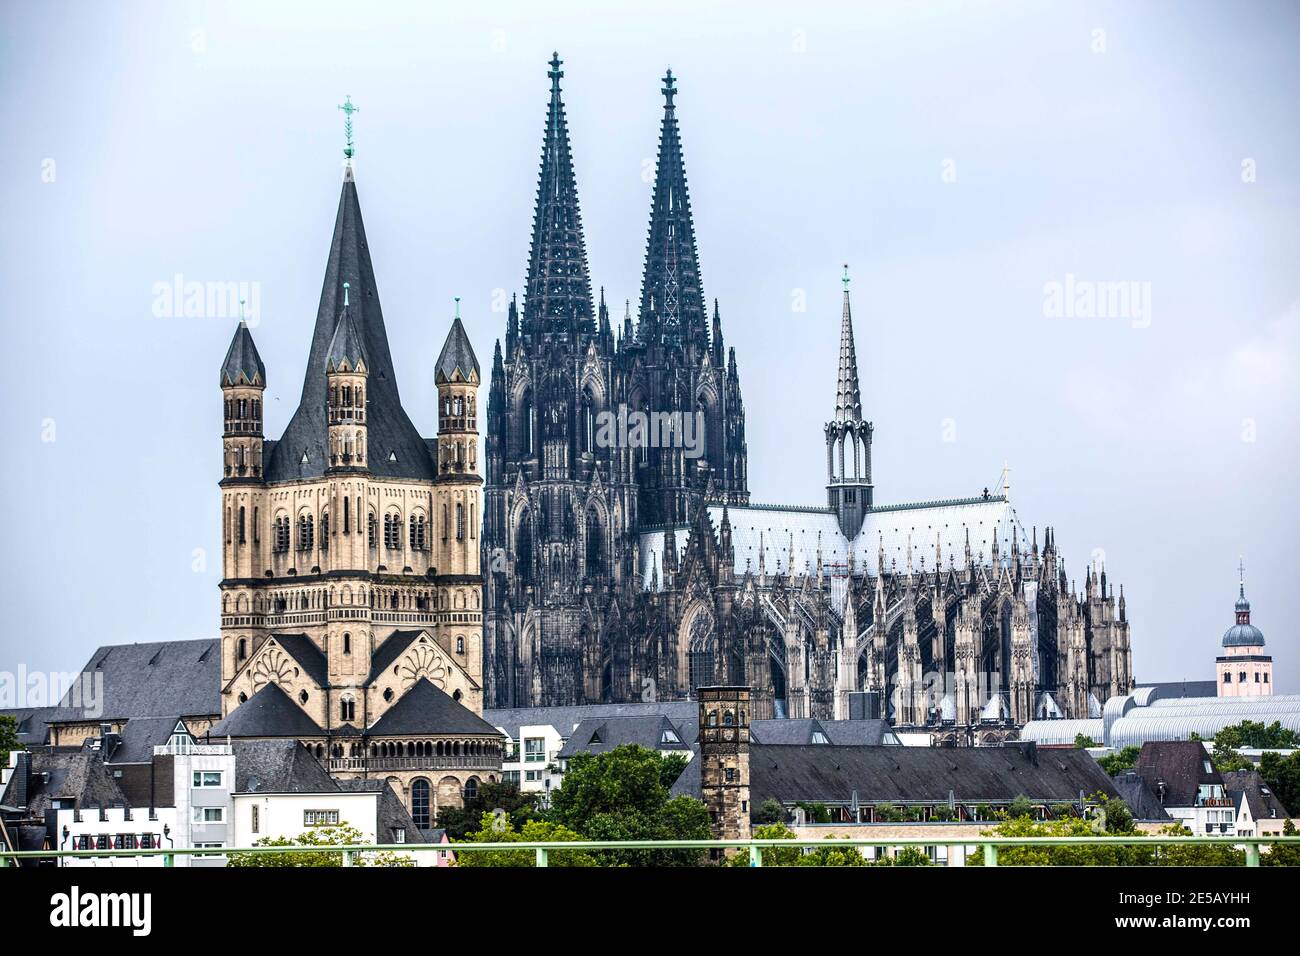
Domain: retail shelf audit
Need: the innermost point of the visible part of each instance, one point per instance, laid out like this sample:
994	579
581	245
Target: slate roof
155	680
395	449
424	709
388	652
794	731
1182	688
1249	785
346	349
600	734
566	719
33	723
310	657
391	813
278	766
138	738
921	774
1142	802
457	356
78	775
1175	770
268	713
242	366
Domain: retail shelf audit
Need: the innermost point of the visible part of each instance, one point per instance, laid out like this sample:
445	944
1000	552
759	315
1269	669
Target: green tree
906	856
8	738
1083	742
322	836
1197	854
459	822
624	794
1254	734
1020	807
1116	816
770	812
500	830
1282	854
1068	855
1125	759
1282	775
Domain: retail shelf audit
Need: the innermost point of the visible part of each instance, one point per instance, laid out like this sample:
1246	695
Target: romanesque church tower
351	596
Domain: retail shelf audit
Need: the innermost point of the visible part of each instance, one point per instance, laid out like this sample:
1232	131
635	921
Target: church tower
243	381
848	437
724	756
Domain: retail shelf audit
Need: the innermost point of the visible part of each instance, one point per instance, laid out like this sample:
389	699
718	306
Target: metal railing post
542	859
1252	854
347	858
990	854
755	855
168	859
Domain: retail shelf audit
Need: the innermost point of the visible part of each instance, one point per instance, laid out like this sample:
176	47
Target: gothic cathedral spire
848	437
557	297
672	297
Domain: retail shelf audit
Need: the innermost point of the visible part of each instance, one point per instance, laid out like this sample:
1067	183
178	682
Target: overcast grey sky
960	157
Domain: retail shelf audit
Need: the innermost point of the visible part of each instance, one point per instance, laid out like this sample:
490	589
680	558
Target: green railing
541	851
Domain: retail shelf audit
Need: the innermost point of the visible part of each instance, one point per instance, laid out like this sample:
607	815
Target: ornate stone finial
845	280
457	298
243	319
346	286
669	89
555	73
349	150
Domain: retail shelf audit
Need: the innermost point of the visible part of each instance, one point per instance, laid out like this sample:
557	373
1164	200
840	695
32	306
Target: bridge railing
541	851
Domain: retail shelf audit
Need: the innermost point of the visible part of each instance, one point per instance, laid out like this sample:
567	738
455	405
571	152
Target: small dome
1243	635
1242	604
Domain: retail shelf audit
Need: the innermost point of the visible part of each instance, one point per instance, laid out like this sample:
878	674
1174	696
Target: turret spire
557	297
848	395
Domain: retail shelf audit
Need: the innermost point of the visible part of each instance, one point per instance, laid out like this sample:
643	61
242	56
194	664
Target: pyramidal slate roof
396	449
243	366
457	356
268	713
424	709
346	349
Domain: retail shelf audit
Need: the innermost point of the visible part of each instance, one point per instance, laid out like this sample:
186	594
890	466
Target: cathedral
635	567
351	593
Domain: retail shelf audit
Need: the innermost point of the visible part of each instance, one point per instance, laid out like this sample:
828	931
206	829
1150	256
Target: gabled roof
77	775
33	723
278	766
1249	786
1142	802
424	709
601	734
140	735
155	680
395	448
566	719
242	366
808	730
1175	770
388	652
309	657
921	774
457	357
268	713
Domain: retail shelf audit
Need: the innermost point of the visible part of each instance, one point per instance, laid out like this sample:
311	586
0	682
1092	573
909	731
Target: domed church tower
1244	669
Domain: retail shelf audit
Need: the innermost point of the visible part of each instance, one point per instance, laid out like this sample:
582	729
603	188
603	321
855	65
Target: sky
984	169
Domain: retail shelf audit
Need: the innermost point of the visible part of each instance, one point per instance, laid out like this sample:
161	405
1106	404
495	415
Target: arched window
524	548
243	537
595	546
471	788
347	643
243	648
347	709
460	645
460	522
420	803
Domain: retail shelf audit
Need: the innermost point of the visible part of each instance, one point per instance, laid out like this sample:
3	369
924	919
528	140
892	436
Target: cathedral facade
626	565
351	594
